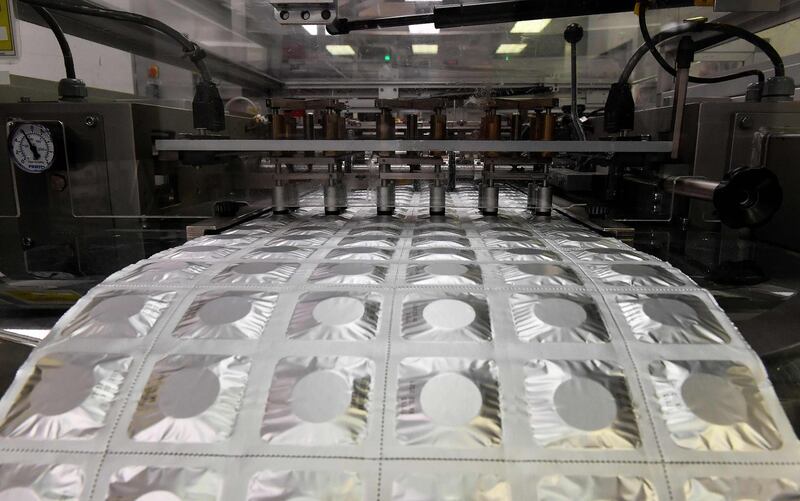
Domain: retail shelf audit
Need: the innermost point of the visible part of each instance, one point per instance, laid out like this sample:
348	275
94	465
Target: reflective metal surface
511	360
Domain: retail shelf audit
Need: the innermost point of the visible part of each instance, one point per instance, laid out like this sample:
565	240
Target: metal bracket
305	11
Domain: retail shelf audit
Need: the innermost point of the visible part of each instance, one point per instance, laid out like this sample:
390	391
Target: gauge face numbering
32	148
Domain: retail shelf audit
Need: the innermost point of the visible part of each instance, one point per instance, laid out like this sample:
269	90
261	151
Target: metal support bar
264	145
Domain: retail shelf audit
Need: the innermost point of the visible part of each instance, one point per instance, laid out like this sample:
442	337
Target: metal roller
544	201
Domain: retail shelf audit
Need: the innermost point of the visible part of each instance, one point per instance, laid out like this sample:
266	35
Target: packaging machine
389	289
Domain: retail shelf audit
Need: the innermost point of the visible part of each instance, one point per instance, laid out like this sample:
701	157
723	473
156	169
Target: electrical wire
66	51
676	32
733	31
195	52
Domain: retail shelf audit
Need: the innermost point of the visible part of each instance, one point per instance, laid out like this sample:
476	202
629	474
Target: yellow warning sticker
7	45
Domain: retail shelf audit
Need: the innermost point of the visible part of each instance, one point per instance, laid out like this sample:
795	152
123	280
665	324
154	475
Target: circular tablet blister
350	269
158	496
19	494
451	399
585	404
254	268
446	269
279	249
714	399
118	309
224	310
560	312
188	392
336	311
62	389
448	314
668	311
320	397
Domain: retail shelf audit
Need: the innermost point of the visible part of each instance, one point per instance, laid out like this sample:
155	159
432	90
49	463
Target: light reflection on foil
116	314
135	483
319	401
571	488
190	398
67	397
445	317
558	394
336	316
671	318
713	406
29	482
557	318
301	485
724	489
226	315
419	487
448	403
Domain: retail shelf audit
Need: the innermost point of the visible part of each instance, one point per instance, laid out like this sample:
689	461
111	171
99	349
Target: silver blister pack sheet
397	358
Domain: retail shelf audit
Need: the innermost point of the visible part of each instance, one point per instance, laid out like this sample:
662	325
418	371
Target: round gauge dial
32	148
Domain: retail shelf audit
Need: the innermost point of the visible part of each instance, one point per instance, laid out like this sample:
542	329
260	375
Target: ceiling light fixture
341	50
425	48
532	26
511	48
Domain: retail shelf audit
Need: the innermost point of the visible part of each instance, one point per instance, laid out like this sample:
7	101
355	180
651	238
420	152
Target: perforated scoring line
638	379
126	399
386	382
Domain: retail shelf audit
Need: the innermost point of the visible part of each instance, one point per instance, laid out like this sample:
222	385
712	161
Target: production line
405	292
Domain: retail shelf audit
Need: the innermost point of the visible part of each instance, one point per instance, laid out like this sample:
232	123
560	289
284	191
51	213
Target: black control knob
574	33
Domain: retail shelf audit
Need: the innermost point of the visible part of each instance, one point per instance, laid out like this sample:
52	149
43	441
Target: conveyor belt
409	357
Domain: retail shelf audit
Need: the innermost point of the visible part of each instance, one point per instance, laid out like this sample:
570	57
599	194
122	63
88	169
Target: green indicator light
387	57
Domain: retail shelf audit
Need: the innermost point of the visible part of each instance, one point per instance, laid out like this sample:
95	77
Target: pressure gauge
32	147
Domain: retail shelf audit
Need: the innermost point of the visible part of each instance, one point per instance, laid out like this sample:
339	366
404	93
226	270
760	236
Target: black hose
676	32
195	52
66	51
733	31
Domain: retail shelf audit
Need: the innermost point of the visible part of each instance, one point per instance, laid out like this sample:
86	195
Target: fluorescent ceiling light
423	29
511	48
310	28
532	26
341	50
425	48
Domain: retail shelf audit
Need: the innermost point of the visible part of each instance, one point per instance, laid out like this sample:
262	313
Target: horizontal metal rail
266	145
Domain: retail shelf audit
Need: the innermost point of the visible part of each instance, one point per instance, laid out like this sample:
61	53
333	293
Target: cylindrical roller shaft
544	201
701	189
490	200
537	126
412	127
516	127
308	126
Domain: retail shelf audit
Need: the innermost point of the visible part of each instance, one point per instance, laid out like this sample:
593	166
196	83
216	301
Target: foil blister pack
404	358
